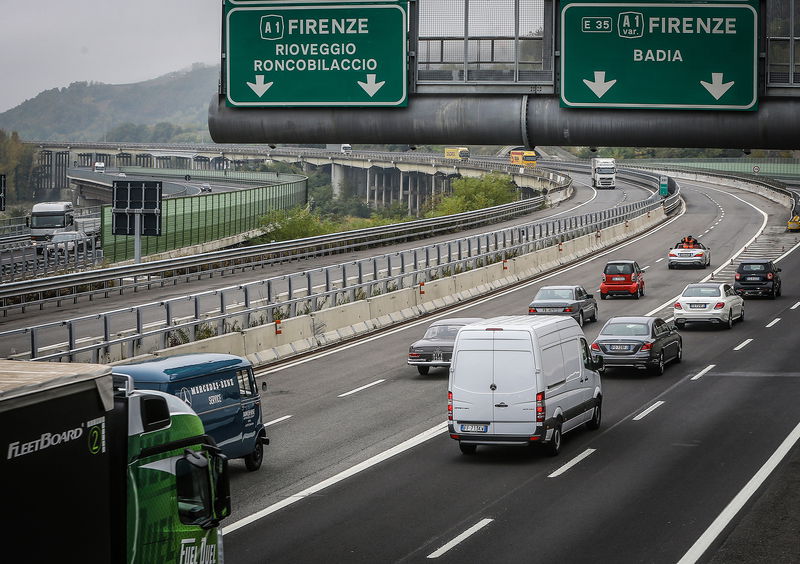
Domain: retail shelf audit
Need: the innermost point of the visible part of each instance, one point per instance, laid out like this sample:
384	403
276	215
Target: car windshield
554	294
442	332
619	268
626	329
701	292
753	267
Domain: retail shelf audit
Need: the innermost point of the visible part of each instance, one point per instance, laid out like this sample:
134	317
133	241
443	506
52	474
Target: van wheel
253	460
554	446
423	370
467	449
580	319
597	414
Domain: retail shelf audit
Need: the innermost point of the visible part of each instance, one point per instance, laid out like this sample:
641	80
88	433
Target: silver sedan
564	300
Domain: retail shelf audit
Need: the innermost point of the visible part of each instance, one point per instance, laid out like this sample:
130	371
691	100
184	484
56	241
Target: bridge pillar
417	182
383	188
368	188
337	179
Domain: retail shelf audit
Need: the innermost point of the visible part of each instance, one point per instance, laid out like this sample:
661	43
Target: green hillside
93	111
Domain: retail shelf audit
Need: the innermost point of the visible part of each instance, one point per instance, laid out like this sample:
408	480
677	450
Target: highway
645	492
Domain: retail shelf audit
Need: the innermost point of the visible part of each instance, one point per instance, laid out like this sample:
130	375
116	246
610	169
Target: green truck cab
104	472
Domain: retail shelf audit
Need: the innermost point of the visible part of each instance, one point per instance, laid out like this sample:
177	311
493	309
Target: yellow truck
523	158
460	153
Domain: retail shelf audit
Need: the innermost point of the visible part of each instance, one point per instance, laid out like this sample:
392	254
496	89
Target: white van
522	380
346	148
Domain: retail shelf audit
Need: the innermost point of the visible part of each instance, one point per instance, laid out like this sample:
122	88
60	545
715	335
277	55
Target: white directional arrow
599	86
370	86
259	87
716	87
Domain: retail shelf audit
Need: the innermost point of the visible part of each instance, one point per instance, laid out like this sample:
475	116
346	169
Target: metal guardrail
261	302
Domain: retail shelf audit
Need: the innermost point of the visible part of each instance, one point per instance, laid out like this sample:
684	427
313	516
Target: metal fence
198	219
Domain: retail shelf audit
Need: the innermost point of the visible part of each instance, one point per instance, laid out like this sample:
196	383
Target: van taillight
449	406
769	276
540	407
738	276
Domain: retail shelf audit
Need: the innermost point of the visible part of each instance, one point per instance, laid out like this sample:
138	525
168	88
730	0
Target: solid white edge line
278	420
743	344
572	462
795	306
649	410
773	322
703	372
736	254
460	538
352	471
718	525
375	383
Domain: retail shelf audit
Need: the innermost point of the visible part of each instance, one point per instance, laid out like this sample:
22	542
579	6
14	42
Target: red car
622	278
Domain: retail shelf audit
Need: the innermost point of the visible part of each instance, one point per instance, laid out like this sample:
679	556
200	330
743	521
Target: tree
476	193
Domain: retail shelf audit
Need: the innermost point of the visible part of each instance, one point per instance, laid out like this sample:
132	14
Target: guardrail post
106	335
416	260
427	257
496	243
246	290
374	269
290	292
504	240
402	263
222	302
269	291
388	266
168	312
460	252
360	275
309	284
469	247
34	343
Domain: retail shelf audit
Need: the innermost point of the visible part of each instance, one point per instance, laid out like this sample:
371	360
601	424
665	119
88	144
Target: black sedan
646	343
436	346
564	300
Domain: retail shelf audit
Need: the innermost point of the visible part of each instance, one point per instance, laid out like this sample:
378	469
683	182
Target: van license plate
618	278
474	428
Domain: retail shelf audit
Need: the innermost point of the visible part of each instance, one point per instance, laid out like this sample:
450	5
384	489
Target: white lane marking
278	420
360	467
572	462
645	267
795	306
721	522
429	319
659	260
736	254
773	322
703	372
375	383
460	538
743	344
649	410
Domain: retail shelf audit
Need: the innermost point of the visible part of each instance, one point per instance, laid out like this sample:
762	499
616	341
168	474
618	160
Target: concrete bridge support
337	179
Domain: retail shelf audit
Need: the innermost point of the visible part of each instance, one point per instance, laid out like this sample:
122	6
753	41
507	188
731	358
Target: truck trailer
604	173
95	469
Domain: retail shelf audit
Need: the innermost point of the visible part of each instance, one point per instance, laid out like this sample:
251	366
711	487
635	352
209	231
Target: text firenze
47	440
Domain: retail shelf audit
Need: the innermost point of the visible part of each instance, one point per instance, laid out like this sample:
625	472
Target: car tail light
568	310
449	406
738	276
413	355
770	276
699	254
673	255
540	407
531	310
595	347
678	305
646	346
719	305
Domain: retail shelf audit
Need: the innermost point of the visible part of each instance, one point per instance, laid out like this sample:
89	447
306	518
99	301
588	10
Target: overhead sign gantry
659	55
315	53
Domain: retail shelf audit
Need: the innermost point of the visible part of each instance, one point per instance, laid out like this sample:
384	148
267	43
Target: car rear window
553	294
619	268
757	267
626	329
442	332
701	292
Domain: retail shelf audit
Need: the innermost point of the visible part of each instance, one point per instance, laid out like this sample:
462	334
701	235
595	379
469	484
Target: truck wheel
554	446
253	460
467	449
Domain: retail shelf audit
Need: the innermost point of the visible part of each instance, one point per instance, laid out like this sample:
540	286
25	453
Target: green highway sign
659	55
316	54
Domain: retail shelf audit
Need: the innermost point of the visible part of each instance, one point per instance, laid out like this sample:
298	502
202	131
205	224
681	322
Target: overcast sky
51	43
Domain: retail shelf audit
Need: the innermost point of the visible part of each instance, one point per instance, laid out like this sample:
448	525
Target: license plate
754	278
618	347
474	428
551	309
685	255
697	306
618	278
437	355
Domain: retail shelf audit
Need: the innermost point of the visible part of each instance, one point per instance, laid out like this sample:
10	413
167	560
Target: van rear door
514	370
471	375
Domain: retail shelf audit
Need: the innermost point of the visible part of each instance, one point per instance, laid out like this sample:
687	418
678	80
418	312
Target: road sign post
316	54
660	55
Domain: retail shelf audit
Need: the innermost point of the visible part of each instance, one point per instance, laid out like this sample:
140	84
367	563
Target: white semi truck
604	173
49	218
